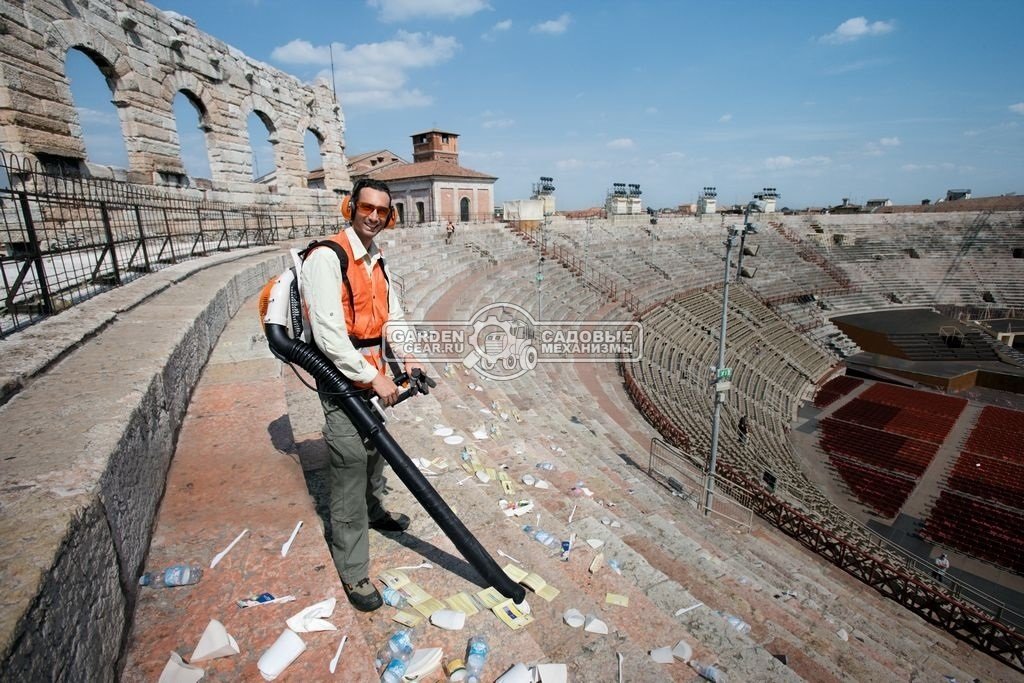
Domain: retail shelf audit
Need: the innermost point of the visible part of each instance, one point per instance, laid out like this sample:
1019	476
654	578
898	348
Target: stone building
434	187
148	56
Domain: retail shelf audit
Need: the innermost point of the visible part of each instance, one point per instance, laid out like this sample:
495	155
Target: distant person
743	430
449	233
941	565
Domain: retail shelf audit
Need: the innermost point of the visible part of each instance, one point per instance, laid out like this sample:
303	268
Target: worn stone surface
87	444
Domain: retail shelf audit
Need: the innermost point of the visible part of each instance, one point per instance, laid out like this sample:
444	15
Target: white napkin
309	619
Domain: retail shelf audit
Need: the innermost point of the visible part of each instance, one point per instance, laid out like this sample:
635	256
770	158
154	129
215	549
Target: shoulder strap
343	262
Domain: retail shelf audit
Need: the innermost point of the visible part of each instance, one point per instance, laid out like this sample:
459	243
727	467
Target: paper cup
448	619
283	652
662	655
573	617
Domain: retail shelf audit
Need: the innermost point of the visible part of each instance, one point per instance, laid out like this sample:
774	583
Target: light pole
723	375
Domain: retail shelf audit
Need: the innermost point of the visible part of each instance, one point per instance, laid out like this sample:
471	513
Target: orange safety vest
365	304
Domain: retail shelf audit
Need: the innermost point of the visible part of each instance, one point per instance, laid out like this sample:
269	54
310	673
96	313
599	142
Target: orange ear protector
346	212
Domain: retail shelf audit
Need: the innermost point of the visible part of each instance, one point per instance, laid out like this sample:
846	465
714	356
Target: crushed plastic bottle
735	622
476	658
540	535
393	598
178	575
710	672
400	647
545	466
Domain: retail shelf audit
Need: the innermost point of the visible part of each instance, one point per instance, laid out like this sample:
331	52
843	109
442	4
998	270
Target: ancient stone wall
148	56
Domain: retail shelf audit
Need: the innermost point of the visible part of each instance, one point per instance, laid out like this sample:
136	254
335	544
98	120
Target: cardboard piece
552	673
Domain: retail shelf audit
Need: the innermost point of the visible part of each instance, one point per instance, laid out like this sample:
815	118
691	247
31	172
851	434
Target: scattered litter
618	656
480	433
515	509
283	652
545	466
595	625
177	671
512	615
551	673
507	556
215	642
394	578
542	484
735	623
462	481
533	581
448	619
427	607
573	617
580	490
616	524
490	597
288	543
843	635
220	556
529	479
312	618
596	564
441	430
506	483
482	476
454	440
264	599
572	514
614	565
682	651
567	547
409	619
485	411
519	673
337	655
617	599
456	670
606	521
422	663
595	543
709	672
684	610
462	602
662	655
421	565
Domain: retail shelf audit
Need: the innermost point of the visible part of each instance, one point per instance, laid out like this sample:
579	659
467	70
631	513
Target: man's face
367	224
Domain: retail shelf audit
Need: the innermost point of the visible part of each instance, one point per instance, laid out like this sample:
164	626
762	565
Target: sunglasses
366	209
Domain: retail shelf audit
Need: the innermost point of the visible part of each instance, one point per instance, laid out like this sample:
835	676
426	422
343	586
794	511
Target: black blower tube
332	381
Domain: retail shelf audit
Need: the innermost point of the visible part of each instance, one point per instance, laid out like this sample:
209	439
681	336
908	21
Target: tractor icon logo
502	342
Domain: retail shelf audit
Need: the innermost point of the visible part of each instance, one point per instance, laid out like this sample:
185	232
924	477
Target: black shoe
363	596
390	522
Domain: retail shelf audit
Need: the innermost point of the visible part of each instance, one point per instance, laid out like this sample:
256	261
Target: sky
821	100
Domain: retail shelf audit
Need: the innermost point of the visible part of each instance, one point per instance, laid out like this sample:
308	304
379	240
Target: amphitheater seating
977	528
836	388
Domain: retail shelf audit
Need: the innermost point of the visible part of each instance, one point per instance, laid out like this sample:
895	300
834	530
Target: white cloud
499	123
621	143
496	29
375	74
857	28
399	10
783	162
568	164
913	168
890	142
302	52
855	66
725	118
1017	108
554	26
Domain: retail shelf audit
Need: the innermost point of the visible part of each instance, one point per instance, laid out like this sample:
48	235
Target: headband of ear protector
346	211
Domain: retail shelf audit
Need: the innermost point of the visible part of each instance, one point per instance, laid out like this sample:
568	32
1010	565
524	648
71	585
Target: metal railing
65	239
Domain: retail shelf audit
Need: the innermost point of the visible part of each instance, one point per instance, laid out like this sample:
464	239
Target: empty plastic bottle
735	622
400	645
710	672
476	658
545	466
540	535
394	598
178	575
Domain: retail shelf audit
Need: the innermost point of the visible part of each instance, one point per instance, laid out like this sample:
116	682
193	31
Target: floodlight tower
722	376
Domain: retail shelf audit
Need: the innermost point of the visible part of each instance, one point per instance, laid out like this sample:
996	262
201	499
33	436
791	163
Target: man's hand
411	365
385	389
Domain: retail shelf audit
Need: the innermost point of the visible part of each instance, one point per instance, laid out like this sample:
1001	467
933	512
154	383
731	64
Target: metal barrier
64	239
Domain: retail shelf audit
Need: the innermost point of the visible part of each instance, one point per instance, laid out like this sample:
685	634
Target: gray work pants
357	489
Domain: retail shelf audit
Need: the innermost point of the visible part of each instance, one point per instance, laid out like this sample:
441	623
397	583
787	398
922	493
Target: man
347	322
941	565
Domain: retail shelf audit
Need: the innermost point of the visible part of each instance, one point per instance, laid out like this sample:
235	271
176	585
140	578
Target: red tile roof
426	169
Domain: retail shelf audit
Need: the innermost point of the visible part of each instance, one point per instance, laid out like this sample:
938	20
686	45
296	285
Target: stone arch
209	108
67	34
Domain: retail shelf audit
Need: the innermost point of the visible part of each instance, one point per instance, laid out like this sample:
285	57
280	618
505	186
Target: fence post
170	240
110	242
37	255
142	237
